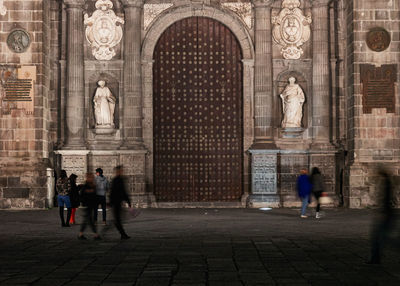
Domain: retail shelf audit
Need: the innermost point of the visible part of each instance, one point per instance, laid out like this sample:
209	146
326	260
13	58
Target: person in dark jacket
117	196
73	197
102	186
88	198
63	190
317	188
304	190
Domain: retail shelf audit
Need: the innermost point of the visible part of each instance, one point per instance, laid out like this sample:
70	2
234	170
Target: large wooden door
197	113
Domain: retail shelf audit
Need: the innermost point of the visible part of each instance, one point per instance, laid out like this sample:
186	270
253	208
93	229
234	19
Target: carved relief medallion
378	39
3	9
103	30
291	29
18	41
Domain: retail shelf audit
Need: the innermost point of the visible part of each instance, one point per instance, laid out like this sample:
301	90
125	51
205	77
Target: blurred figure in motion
88	198
117	196
385	222
74	197
304	190
317	188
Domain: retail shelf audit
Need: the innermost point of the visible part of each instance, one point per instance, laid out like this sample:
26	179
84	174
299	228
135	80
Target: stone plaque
17	89
378	39
76	164
107	163
378	87
18	41
264	173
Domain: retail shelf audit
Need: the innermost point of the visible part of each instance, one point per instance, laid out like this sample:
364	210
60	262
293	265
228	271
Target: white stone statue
104	106
292	104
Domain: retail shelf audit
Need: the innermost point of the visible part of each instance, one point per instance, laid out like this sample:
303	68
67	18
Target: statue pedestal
104	129
292	132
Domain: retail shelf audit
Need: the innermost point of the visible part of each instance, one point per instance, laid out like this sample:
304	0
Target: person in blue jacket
304	188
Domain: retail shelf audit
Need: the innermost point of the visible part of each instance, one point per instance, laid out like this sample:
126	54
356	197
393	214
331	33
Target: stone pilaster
75	89
132	110
321	64
263	104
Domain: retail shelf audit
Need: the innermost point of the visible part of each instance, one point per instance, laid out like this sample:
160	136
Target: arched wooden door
198	128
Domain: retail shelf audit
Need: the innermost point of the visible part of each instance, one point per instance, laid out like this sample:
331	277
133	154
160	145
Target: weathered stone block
16	193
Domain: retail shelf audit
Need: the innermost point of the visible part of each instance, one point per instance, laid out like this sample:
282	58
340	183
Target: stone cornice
133	3
263	3
321	3
74	3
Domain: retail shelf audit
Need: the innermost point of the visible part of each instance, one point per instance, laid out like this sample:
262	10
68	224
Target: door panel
197	113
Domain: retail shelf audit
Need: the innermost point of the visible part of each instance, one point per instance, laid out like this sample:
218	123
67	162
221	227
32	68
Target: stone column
75	88
263	111
321	64
132	110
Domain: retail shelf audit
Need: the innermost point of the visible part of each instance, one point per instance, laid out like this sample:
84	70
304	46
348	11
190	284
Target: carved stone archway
240	31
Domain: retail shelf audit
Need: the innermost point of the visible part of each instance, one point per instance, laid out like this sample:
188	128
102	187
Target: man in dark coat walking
117	196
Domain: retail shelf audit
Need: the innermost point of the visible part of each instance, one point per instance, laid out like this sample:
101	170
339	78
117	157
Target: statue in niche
292	102
104	106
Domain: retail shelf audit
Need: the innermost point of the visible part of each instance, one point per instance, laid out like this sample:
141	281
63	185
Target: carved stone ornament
243	10
151	11
103	31
3	9
18	41
378	39
291	29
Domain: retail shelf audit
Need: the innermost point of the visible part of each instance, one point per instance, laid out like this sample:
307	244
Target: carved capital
133	3
263	3
74	3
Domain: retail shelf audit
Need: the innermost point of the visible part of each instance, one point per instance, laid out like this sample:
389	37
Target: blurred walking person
74	197
317	183
102	186
117	196
88	198
63	190
304	190
385	222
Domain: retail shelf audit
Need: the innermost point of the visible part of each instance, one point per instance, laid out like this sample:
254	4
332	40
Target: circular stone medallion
18	41
378	39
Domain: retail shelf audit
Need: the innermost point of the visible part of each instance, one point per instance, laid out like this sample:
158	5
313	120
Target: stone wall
24	138
373	131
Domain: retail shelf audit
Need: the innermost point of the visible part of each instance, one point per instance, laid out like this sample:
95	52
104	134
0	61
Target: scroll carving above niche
103	30
291	29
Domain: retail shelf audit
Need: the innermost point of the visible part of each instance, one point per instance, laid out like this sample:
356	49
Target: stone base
264	200
81	162
23	185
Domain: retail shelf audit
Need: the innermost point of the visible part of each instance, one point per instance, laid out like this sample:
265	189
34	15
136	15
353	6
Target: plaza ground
196	247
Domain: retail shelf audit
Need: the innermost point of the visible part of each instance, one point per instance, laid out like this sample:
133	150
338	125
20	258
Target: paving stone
216	250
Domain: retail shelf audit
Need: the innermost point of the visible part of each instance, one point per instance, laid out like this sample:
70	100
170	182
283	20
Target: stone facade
345	130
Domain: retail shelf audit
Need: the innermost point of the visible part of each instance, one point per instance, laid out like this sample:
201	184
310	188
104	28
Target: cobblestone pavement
196	247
